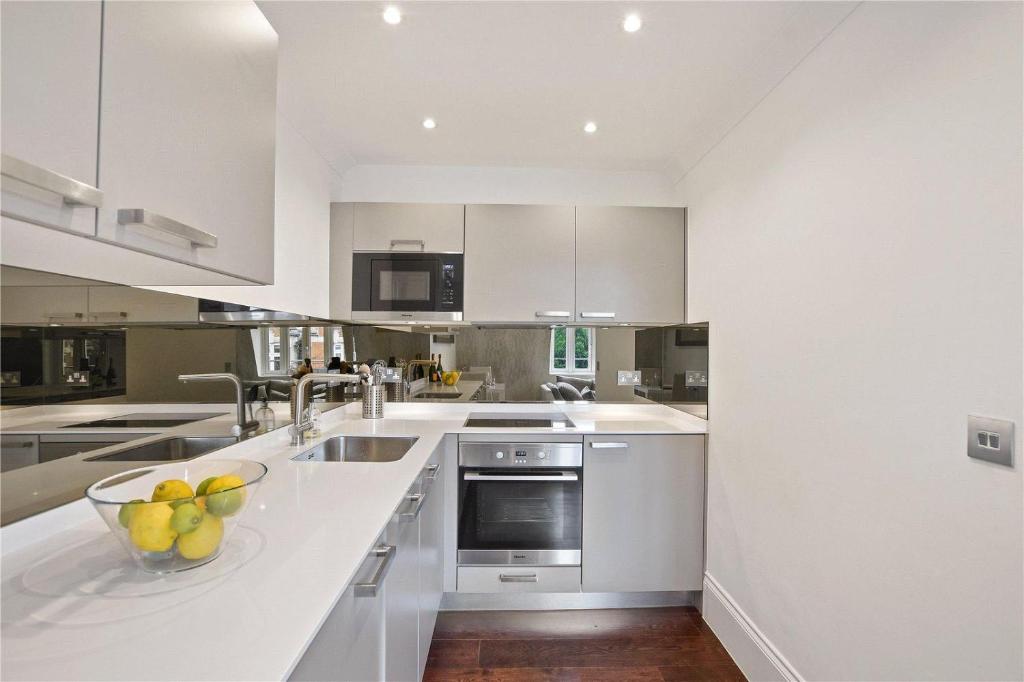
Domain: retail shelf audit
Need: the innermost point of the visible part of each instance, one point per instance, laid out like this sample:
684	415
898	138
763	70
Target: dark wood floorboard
656	645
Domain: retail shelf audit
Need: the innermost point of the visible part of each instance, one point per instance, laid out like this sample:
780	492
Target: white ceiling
512	83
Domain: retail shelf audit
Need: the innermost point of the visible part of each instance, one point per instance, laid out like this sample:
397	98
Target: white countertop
73	607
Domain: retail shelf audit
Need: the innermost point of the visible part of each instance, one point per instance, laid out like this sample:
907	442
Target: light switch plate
629	377
990	439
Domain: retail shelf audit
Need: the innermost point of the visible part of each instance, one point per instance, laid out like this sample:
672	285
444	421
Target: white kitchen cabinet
643	513
342	216
50	55
401	620
528	250
431	555
187	133
44	305
350	643
433	228
132	306
630	265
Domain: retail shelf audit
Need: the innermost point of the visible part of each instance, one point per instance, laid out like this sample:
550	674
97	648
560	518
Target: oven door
520	516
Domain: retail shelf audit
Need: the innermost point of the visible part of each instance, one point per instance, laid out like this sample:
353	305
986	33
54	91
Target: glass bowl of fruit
172	517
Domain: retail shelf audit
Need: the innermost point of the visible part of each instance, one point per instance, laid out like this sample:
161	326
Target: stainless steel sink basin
358	449
435	396
169	449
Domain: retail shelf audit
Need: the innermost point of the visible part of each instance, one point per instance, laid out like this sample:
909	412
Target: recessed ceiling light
393	16
590	127
632	23
429	123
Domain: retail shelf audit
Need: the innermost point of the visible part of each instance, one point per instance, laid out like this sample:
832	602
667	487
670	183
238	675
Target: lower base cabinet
382	626
643	513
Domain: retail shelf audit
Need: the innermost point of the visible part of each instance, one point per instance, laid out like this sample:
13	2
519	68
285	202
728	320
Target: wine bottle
433	369
440	369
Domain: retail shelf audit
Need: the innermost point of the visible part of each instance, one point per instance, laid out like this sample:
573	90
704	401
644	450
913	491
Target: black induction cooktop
498	420
145	420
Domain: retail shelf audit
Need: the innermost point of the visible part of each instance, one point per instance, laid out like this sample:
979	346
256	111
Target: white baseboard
754	654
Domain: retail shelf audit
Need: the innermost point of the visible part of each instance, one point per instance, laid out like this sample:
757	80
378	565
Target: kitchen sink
168	450
358	449
435	396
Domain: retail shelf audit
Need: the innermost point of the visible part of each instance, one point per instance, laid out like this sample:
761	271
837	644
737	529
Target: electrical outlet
628	377
697	377
990	439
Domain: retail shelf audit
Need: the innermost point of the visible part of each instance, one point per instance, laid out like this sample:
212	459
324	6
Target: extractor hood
218	312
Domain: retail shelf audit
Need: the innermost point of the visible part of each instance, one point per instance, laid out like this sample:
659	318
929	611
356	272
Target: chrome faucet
299	428
243	425
407	379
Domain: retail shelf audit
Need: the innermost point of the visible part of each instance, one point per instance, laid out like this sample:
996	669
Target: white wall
302	223
501	185
856	244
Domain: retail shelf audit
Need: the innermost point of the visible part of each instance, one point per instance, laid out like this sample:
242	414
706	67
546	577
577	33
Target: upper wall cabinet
433	228
630	265
187	131
520	263
50	93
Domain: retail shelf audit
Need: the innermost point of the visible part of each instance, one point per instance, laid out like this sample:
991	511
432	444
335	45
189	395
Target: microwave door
405	285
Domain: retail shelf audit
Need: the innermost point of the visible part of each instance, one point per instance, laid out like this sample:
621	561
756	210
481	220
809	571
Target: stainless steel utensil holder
373	401
397	392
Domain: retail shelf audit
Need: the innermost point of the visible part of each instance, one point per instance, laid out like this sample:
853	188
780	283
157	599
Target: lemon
225	495
186	518
173	489
124	514
204	540
201	490
150	527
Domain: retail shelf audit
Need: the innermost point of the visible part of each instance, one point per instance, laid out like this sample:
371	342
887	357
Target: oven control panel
521	454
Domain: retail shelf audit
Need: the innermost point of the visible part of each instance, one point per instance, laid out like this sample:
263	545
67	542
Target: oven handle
565	478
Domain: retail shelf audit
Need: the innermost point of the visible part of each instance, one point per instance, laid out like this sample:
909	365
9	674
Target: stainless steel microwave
407	287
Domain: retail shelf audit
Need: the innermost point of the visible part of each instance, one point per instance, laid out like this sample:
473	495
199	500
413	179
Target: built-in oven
407	286
520	504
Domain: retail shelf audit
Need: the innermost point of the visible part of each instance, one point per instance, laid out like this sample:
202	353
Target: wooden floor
663	645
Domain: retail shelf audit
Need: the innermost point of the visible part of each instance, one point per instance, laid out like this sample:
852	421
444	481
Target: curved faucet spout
243	425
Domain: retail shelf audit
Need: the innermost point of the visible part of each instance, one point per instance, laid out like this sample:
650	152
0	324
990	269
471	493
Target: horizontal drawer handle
510	578
140	216
607	316
552	313
409	242
431	471
416	506
73	192
609	445
23	444
112	315
386	554
561	478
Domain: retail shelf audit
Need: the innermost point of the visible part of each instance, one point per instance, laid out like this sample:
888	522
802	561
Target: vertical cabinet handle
602	316
608	445
386	554
73	192
155	221
409	242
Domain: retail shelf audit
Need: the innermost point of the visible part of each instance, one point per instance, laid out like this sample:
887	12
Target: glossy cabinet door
520	263
402	599
350	644
187	133
630	265
643	513
18	450
131	304
44	305
50	56
431	228
431	554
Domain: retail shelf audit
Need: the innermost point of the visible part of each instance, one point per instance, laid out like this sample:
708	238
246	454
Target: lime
173	489
150	527
124	514
204	540
186	518
225	495
201	490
